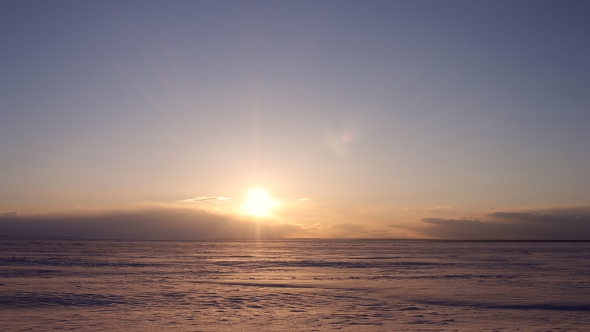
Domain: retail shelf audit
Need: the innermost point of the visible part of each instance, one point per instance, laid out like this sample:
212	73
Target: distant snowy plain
294	286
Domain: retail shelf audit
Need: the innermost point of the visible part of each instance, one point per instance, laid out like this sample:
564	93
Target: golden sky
329	119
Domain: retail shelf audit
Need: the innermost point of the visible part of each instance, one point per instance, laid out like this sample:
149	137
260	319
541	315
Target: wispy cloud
439	208
303	199
204	199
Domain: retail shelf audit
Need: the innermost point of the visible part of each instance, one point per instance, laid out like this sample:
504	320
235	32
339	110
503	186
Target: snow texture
294	285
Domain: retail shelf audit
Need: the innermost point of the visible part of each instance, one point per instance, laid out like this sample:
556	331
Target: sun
258	203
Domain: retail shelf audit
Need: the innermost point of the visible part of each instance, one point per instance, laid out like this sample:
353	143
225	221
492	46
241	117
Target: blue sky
380	113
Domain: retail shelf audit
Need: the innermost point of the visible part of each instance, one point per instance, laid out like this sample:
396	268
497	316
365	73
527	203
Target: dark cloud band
558	224
148	224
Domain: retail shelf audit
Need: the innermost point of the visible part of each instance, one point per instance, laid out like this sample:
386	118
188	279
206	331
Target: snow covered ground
294	285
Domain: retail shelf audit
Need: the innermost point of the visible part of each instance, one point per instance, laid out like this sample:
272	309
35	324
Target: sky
395	119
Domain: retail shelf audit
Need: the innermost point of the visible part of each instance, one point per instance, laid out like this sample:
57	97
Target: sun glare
258	203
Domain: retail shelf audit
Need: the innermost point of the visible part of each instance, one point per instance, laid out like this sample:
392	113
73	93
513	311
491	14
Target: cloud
439	209
354	230
170	224
174	223
558	224
344	229
146	224
204	199
303	199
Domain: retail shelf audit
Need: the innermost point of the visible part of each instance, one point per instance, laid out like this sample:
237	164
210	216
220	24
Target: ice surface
294	285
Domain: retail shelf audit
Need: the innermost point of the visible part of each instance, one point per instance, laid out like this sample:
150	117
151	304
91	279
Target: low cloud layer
147	224
194	224
172	224
557	224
